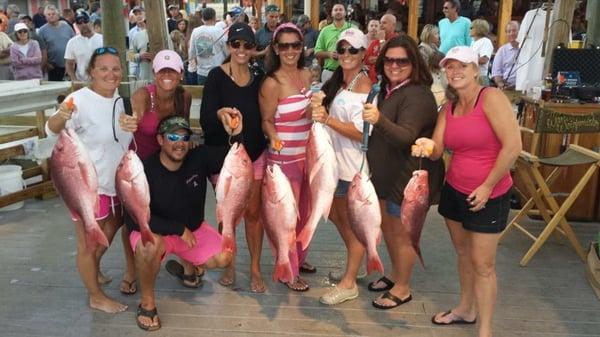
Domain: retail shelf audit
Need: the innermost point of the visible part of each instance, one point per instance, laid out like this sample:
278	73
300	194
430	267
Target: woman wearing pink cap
283	102
478	126
164	98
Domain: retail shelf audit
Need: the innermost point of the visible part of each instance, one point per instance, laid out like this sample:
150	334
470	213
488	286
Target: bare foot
103	303
227	277
103	279
257	284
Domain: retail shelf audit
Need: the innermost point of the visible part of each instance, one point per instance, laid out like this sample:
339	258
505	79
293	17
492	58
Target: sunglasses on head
400	62
247	45
173	137
104	50
342	50
296	45
82	20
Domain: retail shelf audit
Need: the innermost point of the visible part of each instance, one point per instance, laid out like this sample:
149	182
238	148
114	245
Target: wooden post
113	28
314	13
413	19
504	17
258	8
593	28
158	33
559	30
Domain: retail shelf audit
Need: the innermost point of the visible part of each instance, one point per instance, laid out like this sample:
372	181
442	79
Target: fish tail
95	235
283	272
374	264
228	244
147	236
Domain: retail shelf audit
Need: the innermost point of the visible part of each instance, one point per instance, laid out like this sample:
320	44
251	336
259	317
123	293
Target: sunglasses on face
400	62
21	31
245	44
296	45
104	50
342	50
173	137
81	21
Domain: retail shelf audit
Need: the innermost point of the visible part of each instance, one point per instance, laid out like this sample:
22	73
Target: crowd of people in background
264	76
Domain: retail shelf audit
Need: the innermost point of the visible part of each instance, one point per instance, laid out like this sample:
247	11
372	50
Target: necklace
296	81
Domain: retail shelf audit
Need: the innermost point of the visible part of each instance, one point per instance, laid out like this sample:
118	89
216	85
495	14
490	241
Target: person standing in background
25	55
39	19
172	20
265	34
5	43
373	36
388	25
80	48
454	29
504	70
327	41
207	46
56	34
310	39
483	47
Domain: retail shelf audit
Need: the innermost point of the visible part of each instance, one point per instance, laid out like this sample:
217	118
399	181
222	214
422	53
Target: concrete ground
41	293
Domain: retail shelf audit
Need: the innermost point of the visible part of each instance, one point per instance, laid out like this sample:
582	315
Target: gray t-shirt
56	38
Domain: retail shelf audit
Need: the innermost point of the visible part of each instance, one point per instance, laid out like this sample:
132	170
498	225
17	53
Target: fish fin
283	272
315	170
228	244
306	234
85	175
378	239
93	236
147	235
374	264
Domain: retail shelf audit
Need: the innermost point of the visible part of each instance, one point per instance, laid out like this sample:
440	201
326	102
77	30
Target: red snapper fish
133	190
76	180
233	192
280	217
414	208
322	178
365	218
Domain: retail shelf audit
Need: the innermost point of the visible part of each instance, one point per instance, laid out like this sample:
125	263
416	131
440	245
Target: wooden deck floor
41	294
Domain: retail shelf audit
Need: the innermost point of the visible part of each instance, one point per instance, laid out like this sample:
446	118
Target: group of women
476	126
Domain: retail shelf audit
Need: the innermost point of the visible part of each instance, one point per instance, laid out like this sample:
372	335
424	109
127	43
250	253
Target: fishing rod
375	89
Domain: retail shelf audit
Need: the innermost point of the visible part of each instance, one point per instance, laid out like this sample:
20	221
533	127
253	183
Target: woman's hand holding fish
128	123
423	147
370	113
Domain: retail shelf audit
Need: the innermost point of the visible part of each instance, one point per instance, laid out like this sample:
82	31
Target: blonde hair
481	27
428	32
179	45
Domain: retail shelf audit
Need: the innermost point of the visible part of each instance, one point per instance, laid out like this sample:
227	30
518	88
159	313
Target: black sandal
389	296
389	284
189	281
141	312
307	268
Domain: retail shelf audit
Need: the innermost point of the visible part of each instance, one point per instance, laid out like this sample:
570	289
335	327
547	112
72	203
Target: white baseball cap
354	37
463	54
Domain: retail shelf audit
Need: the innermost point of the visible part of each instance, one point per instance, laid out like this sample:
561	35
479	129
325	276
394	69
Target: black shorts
491	219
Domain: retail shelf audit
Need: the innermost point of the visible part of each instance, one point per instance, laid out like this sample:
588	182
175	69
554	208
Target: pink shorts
105	205
208	243
258	166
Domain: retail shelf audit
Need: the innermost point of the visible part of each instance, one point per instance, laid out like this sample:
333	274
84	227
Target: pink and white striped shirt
292	127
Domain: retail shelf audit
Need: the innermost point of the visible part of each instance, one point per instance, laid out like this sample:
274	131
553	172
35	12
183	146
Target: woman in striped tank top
284	98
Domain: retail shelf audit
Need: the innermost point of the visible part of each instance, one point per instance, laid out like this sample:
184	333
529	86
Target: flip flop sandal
397	301
389	284
130	287
301	289
454	319
176	269
307	268
141	312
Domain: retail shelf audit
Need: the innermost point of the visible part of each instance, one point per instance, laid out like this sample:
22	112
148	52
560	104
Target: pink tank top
292	127
145	136
475	148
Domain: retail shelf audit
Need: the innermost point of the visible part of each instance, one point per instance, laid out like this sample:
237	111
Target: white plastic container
11	181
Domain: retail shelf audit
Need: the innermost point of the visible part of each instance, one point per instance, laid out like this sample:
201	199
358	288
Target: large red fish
280	217
365	218
414	208
232	192
133	190
76	180
322	173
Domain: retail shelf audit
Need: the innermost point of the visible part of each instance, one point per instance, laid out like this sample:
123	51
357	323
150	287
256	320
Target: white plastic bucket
11	181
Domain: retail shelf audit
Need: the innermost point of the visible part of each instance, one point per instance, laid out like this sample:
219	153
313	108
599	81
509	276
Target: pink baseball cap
463	54
167	59
354	37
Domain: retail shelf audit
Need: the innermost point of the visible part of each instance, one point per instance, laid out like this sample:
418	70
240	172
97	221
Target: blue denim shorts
392	208
342	188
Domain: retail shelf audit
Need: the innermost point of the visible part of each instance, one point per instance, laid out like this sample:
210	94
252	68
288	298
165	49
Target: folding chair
528	168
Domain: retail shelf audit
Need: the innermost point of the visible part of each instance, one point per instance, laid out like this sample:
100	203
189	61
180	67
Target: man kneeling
177	178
